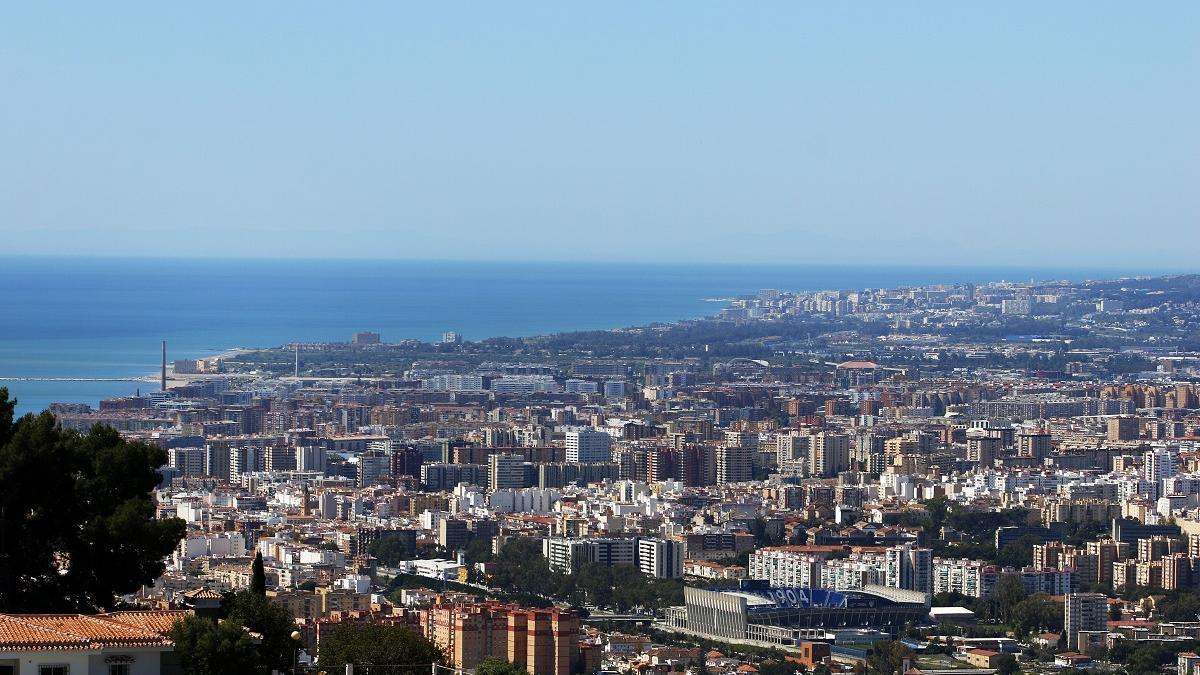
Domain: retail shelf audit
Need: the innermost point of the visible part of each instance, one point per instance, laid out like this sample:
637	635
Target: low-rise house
120	643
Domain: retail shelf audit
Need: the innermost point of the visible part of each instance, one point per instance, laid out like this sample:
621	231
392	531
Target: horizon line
1124	270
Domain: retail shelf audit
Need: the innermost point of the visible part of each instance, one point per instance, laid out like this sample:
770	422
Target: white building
972	578
660	558
784	568
506	471
1084	612
587	446
910	568
857	571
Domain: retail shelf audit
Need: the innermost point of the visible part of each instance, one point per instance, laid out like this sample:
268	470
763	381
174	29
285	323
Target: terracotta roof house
120	643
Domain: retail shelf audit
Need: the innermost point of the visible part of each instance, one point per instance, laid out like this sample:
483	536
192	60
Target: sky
955	133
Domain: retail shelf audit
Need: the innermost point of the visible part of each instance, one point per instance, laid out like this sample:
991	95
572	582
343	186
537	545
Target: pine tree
77	517
258	575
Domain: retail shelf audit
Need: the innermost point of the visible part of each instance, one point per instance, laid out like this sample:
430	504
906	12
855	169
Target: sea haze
104	317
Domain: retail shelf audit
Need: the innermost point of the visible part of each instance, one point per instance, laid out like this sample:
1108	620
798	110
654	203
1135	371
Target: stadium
787	616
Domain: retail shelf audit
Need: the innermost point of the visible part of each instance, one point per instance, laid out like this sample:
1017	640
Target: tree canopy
1006	664
376	644
494	665
258	575
205	647
77	525
277	650
887	657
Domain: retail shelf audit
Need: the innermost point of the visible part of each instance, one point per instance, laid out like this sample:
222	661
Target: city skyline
564	339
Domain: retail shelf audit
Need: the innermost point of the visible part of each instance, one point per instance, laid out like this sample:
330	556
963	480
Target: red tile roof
54	632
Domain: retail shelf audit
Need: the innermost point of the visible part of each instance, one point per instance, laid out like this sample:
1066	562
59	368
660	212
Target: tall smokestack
164	365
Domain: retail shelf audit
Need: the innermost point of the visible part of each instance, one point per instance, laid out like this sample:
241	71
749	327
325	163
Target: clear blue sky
925	133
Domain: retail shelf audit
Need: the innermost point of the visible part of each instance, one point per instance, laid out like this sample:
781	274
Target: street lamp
296	651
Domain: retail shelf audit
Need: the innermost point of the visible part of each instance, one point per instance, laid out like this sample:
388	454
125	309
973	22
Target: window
119	669
54	670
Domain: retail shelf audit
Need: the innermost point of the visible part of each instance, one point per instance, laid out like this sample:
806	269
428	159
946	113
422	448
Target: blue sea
105	317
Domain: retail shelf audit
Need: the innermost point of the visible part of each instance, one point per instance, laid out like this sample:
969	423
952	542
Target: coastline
177	380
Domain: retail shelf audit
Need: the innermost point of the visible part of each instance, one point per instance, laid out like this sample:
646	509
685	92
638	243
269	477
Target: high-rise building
910	568
784	568
279	458
188	461
442	476
407	461
544	641
452	533
614	388
735	464
660	558
506	471
1034	444
243	460
699	465
972	578
373	467
1176	571
1084	612
829	454
1157	465
1107	553
984	449
656	557
566	555
663	464
1154	548
791	452
1123	428
587	446
365	337
311	458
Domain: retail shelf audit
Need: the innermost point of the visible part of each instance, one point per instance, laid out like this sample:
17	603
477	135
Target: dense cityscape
943	479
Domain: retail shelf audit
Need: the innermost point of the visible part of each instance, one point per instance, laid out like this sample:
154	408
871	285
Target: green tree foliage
277	650
1006	664
937	509
258	575
1179	607
378	644
205	647
887	658
1144	658
1017	554
494	665
77	523
774	667
1007	594
389	551
1036	613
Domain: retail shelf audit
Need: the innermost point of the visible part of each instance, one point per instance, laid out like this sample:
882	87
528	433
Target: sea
91	320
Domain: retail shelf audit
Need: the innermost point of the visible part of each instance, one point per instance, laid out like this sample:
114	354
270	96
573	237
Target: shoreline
178	380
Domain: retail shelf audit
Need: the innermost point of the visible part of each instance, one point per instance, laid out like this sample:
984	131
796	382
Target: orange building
544	641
